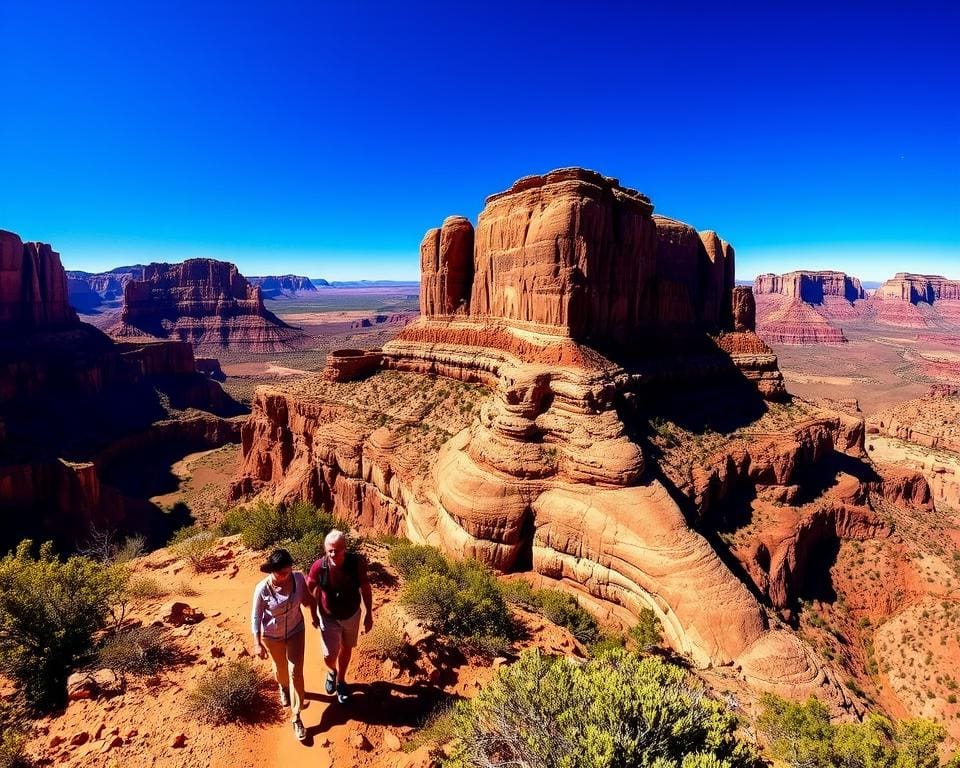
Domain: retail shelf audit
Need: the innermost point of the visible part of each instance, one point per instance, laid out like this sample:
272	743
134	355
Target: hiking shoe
299	731
343	695
330	684
284	697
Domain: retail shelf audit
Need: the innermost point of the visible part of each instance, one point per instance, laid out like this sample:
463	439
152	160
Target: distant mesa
203	301
811	287
917	301
802	307
91	292
282	286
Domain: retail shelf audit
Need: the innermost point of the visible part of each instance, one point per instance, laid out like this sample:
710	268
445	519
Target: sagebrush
50	610
617	710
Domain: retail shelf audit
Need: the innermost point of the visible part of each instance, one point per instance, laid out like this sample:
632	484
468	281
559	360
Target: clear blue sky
324	138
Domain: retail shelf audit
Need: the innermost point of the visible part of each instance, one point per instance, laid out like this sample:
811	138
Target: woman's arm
256	622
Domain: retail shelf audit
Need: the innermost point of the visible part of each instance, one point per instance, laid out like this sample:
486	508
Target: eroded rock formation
206	302
811	287
580	303
33	287
351	364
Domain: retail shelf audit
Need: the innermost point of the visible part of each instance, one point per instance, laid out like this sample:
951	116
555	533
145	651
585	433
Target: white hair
333	537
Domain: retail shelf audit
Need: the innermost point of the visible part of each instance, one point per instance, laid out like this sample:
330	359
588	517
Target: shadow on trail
380	703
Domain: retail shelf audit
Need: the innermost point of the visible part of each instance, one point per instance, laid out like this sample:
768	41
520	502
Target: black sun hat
278	559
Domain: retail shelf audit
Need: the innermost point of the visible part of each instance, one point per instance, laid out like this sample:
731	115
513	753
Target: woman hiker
278	628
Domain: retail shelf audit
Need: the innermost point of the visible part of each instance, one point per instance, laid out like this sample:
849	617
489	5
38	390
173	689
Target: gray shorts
334	633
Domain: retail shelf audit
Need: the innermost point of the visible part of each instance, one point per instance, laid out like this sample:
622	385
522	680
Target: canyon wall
68	392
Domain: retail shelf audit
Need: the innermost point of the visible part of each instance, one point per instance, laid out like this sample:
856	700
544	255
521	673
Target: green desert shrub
409	559
262	525
607	642
618	710
647	633
385	641
14	733
458	598
137	651
558	607
802	736
50	610
228	694
564	611
194	545
299	527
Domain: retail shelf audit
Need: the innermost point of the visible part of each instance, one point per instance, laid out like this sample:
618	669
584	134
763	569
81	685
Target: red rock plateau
68	393
917	301
206	302
520	421
802	307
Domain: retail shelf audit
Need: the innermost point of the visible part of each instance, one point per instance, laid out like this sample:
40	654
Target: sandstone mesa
203	301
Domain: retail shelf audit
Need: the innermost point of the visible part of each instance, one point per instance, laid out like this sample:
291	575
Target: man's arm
310	603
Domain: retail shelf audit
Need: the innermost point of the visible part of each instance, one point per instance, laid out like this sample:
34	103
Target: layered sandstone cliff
206	302
33	287
811	287
571	304
796	322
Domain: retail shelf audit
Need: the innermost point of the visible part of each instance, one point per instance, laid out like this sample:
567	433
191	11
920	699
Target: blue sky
324	138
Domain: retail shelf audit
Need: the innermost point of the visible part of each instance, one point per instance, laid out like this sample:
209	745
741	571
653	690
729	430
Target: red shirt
338	589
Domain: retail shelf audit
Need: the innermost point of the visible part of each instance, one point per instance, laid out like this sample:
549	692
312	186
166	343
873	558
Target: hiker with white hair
339	584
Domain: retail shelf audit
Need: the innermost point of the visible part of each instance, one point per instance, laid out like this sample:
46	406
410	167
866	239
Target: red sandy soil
390	700
880	366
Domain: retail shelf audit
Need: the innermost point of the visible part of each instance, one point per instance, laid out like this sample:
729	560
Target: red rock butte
203	301
573	304
917	301
799	307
